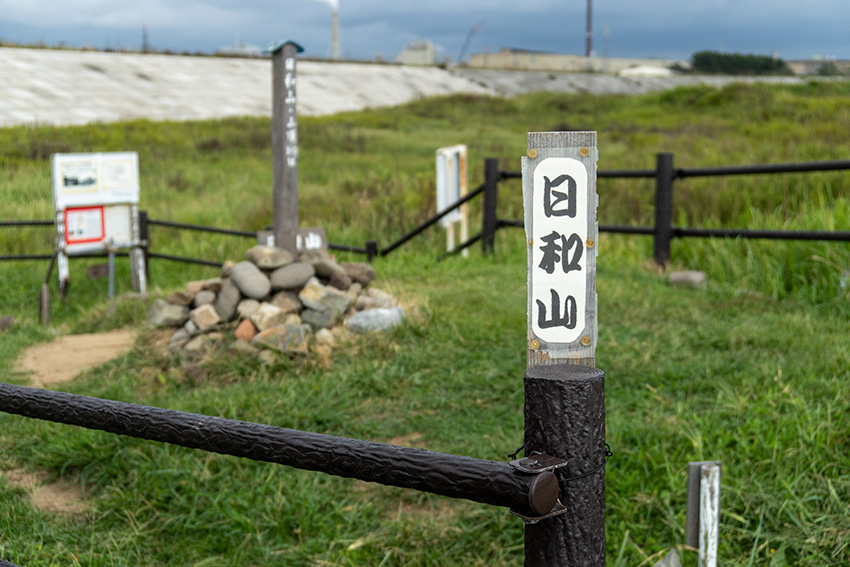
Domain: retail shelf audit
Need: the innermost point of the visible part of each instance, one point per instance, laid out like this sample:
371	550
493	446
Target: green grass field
754	370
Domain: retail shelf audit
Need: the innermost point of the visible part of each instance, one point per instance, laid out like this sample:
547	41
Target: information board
96	203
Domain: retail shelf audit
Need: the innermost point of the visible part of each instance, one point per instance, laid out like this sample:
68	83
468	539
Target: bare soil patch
58	497
62	359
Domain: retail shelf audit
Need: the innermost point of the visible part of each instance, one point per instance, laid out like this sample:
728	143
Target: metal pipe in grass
488	482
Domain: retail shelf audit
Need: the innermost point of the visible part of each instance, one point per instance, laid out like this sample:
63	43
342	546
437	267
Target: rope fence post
144	236
663	233
371	250
490	223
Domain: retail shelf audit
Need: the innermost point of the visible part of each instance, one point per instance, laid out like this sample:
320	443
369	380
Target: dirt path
51	363
63	358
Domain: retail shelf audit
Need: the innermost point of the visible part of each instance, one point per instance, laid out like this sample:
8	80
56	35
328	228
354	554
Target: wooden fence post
371	250
490	221
285	146
664	176
144	236
564	402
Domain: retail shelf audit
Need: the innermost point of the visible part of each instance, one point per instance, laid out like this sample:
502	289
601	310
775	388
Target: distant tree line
714	62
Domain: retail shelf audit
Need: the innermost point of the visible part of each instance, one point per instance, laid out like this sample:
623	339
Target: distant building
241	49
527	60
819	64
418	52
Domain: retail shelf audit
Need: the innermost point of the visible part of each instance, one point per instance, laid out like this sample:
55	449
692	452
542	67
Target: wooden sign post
285	144
564	394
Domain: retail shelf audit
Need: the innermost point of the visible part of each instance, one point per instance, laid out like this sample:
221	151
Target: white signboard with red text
96	203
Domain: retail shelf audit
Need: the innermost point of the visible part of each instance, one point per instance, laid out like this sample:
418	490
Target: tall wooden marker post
285	144
564	393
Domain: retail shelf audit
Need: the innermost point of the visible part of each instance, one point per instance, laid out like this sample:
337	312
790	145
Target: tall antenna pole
336	48
589	38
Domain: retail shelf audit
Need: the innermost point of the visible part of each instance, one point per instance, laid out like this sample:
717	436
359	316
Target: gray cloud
661	28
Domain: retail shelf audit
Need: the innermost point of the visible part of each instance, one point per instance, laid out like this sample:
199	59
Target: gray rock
268	257
320	319
191	328
382	298
669	560
247	307
250	280
285	338
321	298
226	269
325	337
204	297
214	285
364	303
7	322
267	316
353	292
205	317
339	280
688	278
164	314
287	301
380	319
292	319
321	262
198	346
359	272
194	287
181	298
227	300
178	340
292	276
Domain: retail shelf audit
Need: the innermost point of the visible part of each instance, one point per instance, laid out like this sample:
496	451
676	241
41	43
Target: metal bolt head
585	340
534	344
532	153
590	243
584	152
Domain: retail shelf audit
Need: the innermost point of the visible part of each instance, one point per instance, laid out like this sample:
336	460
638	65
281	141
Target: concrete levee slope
41	86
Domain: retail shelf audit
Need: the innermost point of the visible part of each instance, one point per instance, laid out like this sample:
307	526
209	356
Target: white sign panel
451	181
559	258
81	180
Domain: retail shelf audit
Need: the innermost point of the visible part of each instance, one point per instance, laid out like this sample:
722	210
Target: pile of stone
274	302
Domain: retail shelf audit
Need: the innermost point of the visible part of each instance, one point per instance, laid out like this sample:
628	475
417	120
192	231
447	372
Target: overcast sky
646	28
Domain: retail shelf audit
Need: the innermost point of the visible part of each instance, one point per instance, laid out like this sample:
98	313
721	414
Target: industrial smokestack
336	49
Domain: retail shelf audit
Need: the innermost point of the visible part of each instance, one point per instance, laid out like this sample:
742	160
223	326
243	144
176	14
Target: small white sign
451	181
559	259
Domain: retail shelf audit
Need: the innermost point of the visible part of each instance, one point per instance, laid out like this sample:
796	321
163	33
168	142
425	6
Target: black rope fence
663	231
